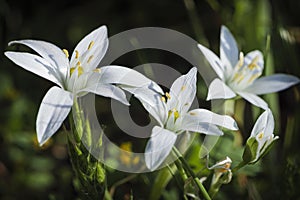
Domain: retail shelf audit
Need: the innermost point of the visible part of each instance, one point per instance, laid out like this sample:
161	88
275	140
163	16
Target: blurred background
28	171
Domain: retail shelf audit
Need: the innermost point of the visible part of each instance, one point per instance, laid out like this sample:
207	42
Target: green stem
162	179
192	174
239	166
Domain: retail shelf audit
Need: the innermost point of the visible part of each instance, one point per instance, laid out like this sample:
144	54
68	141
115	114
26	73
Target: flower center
245	74
80	60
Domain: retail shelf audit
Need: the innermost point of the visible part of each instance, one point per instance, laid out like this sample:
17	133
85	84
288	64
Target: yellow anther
225	168
91	45
253	64
170	113
176	114
168	95
260	136
80	70
97	70
76	54
66	52
241	60
72	69
183	87
78	63
163	99
90	58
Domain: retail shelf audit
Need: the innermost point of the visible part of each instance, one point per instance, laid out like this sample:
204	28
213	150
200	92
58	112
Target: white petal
183	91
206	116
107	90
159	147
152	102
50	52
126	76
229	51
54	108
254	99
264	124
214	61
34	64
273	83
98	50
219	90
200	127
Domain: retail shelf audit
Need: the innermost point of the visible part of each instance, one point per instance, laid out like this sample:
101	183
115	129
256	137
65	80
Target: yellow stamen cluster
163	99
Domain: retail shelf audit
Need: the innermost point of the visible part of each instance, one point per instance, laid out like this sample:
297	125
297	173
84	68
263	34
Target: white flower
172	113
261	138
238	75
75	78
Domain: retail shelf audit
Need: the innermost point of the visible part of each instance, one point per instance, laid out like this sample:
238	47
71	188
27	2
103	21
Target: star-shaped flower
171	111
75	77
239	74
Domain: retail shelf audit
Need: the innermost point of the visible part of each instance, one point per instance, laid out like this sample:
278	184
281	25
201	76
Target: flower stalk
90	179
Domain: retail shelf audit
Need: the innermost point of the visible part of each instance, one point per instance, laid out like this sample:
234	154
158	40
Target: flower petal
34	64
265	124
273	83
107	90
54	108
152	102
201	127
219	90
50	52
229	51
126	76
206	116
213	60
98	39
183	91
254	99
159	147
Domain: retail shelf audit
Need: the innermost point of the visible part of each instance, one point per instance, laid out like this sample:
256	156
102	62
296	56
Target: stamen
163	99
76	54
241	60
176	114
253	64
91	45
260	136
97	70
78	63
66	52
169	113
80	70
72	69
253	77
90	58
168	95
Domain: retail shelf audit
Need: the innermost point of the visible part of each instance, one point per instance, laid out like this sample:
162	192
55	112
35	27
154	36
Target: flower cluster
78	74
